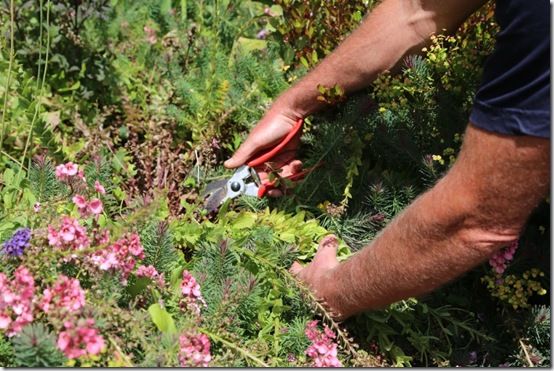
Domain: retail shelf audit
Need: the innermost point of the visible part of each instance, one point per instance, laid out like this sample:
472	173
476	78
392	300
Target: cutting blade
214	186
213	202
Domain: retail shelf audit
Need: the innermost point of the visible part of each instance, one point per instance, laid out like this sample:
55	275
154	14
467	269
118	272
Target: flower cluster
80	338
323	351
69	236
66	296
16	301
151	272
64	172
501	258
85	207
515	290
121	256
192	297
18	242
194	350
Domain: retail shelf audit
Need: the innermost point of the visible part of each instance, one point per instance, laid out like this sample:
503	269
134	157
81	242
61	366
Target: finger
245	151
295	166
327	251
274	193
295	268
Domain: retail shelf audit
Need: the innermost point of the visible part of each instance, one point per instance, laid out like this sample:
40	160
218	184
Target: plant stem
10	67
38	102
531	364
235	347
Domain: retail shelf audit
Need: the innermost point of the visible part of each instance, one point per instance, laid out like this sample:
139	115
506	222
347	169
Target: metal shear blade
243	182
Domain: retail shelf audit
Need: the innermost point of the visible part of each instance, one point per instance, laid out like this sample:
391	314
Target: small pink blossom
150	35
95	206
194	350
99	188
121	255
323	350
66	296
71	169
80	201
70	235
192	297
80	339
499	261
151	272
16	301
36	207
66	171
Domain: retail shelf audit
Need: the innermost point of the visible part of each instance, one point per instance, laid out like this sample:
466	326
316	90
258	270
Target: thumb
295	268
245	151
327	251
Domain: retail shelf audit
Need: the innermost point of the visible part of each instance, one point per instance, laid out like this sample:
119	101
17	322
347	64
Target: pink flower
66	296
150	272
70	235
16	301
121	255
95	206
150	35
99	188
71	169
67	232
61	172
68	170
194	350
499	261
192	297
80	201
323	349
36	207
80	339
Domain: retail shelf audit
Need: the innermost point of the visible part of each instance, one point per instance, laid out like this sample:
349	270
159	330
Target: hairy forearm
479	206
393	30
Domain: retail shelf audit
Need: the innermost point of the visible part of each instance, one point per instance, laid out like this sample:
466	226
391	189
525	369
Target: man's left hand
319	276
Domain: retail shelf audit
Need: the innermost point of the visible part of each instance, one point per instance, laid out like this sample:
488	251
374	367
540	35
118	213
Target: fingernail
329	240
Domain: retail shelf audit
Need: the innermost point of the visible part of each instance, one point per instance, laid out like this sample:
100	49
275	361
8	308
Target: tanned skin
481	205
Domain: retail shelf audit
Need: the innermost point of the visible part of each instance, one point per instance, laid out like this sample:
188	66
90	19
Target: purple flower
262	34
18	242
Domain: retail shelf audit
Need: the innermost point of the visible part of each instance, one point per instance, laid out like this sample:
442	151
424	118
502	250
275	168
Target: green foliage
7	355
42	180
35	346
153	95
158	247
314	28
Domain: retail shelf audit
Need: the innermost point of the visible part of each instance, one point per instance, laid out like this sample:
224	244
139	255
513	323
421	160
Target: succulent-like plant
35	346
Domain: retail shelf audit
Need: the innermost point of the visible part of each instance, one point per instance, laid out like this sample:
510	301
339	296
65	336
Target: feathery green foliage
35	346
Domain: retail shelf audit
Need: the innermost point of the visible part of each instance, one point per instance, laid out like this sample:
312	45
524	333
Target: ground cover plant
116	114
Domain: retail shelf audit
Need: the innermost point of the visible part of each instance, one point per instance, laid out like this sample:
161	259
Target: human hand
320	277
271	129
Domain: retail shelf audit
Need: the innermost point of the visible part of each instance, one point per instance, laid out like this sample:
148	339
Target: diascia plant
99	291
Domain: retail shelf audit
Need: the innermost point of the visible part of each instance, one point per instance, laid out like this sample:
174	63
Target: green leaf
245	220
139	285
162	319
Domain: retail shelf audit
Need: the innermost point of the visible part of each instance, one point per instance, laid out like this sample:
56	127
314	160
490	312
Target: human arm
479	206
393	30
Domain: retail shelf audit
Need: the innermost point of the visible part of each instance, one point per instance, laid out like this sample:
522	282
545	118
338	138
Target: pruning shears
246	181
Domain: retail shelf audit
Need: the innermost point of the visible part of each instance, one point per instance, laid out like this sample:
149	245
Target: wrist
300	100
335	295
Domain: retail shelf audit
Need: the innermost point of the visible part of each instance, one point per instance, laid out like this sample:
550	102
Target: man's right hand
271	129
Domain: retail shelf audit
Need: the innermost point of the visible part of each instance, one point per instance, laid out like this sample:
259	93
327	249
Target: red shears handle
267	156
268	185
